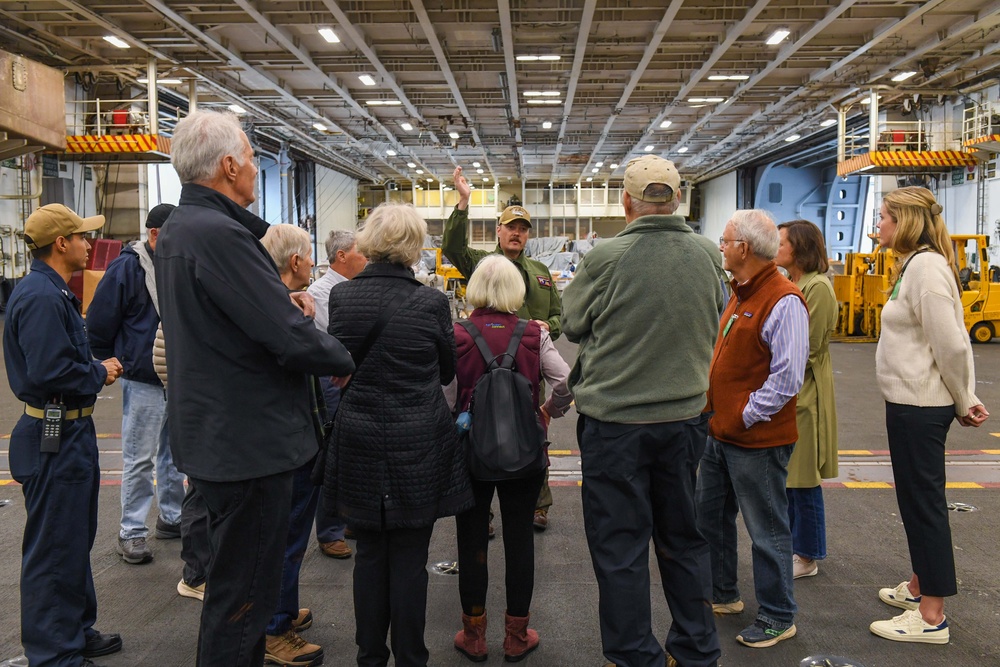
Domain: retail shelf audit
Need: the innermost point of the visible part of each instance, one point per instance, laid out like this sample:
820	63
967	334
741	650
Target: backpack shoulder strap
515	340
478	339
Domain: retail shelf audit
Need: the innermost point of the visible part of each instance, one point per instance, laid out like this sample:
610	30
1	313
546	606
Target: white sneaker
911	627
800	568
726	608
188	591
899	597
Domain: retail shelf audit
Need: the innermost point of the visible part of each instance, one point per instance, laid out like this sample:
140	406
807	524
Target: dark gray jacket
240	351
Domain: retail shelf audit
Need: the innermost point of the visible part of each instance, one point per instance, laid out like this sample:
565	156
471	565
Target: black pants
248	527
517	507
390	589
195	549
639	483
916	446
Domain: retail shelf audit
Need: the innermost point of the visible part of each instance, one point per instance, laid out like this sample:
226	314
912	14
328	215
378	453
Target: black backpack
506	439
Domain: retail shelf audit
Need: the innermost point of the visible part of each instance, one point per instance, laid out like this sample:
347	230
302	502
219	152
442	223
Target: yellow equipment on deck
863	289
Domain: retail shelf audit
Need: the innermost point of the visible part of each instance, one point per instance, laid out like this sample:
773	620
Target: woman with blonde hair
496	292
802	253
395	466
925	371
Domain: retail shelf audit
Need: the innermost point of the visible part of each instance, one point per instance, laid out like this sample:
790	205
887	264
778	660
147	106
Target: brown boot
290	649
471	639
521	640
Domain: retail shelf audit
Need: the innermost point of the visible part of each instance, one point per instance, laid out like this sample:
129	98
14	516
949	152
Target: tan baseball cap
51	221
512	213
644	171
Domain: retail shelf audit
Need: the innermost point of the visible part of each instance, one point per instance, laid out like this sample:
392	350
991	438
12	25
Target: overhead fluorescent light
453	135
116	41
236	108
166	82
665	124
590	178
390	153
479	171
868	100
386	103
828	122
366	79
476	165
614	165
778	36
598	164
430	180
682	149
486	179
903	76
329	35
793	137
739	77
547	125
420	171
406	126
649	148
411	165
528	58
706	100
320	126
594	170
728	77
542	93
719	77
544	101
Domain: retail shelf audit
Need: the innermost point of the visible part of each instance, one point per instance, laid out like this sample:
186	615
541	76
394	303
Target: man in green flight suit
541	302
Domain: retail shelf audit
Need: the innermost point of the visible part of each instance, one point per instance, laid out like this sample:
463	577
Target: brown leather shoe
541	521
336	549
291	649
303	621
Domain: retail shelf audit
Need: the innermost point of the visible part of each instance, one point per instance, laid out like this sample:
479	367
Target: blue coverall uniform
48	357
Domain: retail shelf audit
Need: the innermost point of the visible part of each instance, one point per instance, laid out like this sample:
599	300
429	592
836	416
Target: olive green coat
541	300
815	454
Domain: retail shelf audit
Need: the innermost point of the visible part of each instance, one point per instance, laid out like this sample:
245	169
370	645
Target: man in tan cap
53	447
640	391
541	299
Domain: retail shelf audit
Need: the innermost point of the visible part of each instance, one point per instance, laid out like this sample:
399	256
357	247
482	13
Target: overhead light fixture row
319	126
544	101
728	77
453	135
828	122
117	41
537	58
406	126
329	35
682	149
385	103
366	79
542	93
793	137
778	36
903	76
706	100
411	165
547	125
390	153
649	148
665	124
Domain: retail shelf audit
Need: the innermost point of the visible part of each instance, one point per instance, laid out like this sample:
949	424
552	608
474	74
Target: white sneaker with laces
899	597
911	627
800	568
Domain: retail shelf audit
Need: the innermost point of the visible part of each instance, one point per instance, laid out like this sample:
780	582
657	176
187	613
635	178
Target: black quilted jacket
395	460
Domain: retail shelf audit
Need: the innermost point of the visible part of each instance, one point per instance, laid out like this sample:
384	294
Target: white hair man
238	389
640	393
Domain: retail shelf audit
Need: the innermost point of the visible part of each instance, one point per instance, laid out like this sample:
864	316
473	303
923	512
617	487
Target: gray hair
496	283
757	228
339	239
283	241
657	190
393	233
201	141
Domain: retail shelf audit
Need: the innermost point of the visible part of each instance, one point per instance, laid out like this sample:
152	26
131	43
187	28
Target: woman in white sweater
925	372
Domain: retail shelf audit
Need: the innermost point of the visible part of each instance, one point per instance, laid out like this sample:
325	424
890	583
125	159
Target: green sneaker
762	635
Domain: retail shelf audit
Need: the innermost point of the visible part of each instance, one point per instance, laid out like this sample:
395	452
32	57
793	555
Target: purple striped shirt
786	332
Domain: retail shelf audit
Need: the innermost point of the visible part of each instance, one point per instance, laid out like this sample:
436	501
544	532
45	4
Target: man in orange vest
757	369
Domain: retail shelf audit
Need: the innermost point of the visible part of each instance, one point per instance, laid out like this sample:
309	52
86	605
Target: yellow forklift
980	286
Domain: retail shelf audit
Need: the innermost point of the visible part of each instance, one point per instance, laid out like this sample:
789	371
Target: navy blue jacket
45	346
121	319
239	353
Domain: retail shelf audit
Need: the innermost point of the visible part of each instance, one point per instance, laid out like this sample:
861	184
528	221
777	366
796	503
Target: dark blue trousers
639	483
58	602
195	549
305	496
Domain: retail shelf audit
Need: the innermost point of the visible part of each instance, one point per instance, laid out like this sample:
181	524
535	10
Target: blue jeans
807	517
329	528
304	498
144	437
752	481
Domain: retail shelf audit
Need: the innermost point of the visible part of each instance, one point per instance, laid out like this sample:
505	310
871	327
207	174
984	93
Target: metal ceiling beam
456	93
582	38
651	48
507	34
783	55
882	33
732	35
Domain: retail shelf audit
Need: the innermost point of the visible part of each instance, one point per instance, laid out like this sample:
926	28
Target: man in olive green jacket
541	301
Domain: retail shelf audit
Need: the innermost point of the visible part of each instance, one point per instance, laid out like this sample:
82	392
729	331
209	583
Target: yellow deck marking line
867	485
991	451
995	435
855	452
962	485
560	452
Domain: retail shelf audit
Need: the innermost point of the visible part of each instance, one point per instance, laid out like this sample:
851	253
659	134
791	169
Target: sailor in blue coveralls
50	369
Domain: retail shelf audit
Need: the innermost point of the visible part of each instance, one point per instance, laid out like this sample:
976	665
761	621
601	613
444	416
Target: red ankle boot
471	639
521	640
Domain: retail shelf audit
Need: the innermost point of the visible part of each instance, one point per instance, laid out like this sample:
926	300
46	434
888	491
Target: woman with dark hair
395	466
925	371
802	253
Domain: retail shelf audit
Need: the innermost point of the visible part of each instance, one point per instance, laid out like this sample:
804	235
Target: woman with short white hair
291	249
395	466
496	291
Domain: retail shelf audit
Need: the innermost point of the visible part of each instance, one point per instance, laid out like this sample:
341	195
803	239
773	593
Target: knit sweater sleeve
934	303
